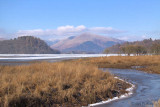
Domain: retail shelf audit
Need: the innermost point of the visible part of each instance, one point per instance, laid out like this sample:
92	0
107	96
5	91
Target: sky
128	20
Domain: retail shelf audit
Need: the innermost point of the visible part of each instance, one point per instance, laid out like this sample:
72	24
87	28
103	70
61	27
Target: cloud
31	32
68	30
144	37
105	30
133	37
125	38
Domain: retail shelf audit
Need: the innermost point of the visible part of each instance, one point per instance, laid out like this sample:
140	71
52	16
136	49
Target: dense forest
147	46
25	45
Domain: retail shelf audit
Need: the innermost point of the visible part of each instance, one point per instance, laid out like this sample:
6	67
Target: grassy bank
150	64
68	83
56	84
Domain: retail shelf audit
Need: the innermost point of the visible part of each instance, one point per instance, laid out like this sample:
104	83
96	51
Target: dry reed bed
151	64
56	84
157	103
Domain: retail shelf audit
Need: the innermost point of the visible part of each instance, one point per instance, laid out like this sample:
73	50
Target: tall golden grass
156	103
150	64
68	83
56	84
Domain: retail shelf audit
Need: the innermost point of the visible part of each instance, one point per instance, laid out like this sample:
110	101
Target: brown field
150	64
56	84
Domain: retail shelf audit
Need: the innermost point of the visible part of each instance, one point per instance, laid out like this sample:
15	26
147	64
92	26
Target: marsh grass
150	64
56	84
156	103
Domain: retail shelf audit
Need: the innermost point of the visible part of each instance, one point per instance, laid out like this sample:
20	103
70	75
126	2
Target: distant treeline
147	46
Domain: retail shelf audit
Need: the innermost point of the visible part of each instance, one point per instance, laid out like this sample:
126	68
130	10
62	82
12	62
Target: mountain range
83	43
86	42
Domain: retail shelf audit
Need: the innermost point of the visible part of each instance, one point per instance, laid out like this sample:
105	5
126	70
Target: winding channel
147	88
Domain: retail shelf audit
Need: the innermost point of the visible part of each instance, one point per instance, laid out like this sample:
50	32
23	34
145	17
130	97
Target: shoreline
126	95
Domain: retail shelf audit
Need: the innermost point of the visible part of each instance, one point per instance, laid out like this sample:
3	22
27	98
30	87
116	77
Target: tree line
147	46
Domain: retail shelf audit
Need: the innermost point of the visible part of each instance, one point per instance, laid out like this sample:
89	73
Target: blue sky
53	19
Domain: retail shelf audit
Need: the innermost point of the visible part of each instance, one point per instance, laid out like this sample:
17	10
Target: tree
155	48
123	49
133	49
106	51
127	49
138	49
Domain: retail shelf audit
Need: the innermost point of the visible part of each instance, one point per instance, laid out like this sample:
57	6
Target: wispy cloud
105	30
69	30
133	37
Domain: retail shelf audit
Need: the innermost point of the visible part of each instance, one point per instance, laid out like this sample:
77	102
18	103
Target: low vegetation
56	84
157	103
150	64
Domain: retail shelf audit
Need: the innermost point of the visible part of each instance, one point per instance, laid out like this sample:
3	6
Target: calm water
26	57
19	59
147	88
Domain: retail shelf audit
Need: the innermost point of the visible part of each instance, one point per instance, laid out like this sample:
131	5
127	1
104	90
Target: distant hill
50	43
148	44
25	45
86	42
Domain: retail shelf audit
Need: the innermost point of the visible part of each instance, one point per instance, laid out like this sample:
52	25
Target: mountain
25	45
85	42
49	42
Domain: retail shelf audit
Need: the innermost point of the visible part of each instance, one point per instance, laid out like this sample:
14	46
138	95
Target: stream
147	88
